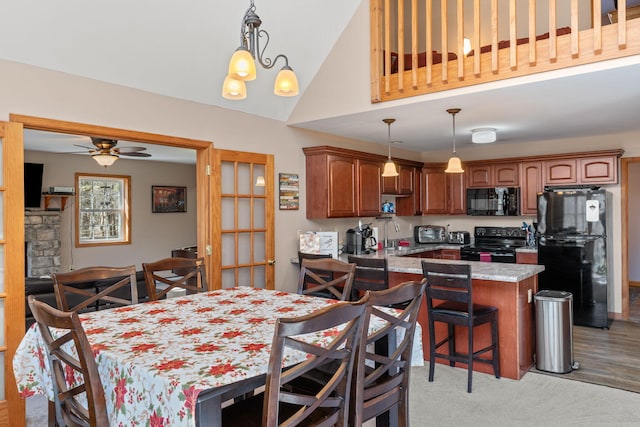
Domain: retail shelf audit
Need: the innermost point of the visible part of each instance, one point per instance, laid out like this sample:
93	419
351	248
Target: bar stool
450	285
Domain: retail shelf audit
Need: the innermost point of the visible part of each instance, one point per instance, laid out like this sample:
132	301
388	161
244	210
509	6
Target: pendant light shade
286	82
234	88
454	165
389	167
242	66
105	160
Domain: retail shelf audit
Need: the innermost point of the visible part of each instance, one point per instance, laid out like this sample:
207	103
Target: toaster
459	237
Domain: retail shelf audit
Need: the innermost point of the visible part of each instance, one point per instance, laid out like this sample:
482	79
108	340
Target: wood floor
610	357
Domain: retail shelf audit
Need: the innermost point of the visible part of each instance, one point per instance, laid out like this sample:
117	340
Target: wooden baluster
460	48
387	46
429	44
553	47
513	36
445	44
597	27
414	44
575	31
400	38
532	32
476	37
494	36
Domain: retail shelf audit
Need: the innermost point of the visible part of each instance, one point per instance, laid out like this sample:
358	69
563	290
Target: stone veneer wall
42	242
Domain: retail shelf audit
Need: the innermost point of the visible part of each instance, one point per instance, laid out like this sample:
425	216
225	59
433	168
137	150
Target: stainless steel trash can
554	331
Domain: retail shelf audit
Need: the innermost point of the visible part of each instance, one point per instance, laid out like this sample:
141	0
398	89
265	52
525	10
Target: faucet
386	222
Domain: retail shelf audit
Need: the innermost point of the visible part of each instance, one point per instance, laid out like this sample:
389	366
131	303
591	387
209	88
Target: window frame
125	210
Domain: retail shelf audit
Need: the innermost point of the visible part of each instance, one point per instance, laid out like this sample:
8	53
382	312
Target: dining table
175	362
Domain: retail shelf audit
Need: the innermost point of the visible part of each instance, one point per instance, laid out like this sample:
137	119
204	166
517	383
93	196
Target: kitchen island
510	287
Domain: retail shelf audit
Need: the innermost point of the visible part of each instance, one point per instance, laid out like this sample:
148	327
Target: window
103	210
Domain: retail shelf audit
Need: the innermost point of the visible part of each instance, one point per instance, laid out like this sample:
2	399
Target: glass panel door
245	224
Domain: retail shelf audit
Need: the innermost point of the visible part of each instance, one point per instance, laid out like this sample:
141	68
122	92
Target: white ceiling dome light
483	135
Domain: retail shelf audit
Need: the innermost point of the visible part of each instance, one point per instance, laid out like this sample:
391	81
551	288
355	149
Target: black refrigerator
572	245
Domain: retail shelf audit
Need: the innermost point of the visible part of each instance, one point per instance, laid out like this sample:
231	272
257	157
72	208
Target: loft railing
419	47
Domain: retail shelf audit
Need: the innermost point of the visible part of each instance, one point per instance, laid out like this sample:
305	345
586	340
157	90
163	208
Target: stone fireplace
42	243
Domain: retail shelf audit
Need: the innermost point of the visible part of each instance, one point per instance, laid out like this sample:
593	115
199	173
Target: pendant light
454	165
389	167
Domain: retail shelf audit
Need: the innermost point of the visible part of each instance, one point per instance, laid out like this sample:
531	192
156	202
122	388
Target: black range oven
495	244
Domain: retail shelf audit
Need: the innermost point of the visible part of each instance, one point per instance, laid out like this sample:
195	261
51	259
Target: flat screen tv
33	185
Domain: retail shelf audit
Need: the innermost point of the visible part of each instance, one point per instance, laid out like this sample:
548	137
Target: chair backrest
332	401
82	403
161	278
372	274
304	255
73	294
448	282
382	380
329	278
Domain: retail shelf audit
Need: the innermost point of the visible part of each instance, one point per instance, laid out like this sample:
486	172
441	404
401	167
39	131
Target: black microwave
499	201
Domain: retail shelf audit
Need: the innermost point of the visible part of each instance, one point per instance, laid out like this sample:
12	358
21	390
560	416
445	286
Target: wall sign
289	191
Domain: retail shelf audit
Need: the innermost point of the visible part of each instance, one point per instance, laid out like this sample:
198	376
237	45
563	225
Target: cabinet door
456	193
601	170
559	172
411	205
526	257
450	253
505	175
342	186
434	182
531	186
478	176
369	187
390	184
405	180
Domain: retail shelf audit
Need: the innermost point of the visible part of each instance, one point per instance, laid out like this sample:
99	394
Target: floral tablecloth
155	358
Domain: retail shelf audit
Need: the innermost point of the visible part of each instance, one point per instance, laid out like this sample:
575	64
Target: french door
243	223
11	267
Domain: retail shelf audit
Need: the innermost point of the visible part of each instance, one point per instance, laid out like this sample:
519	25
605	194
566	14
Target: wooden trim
12	410
327	149
624	202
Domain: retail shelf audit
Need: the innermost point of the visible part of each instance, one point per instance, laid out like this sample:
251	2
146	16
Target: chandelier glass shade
242	66
454	165
105	159
389	167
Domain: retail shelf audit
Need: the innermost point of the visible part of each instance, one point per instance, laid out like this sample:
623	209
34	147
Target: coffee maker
359	239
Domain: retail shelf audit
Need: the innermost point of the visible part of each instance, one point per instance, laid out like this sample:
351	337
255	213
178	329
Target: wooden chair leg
452	342
496	348
432	350
51	421
470	359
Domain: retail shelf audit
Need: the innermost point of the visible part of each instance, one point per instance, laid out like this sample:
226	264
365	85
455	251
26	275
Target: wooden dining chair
450	300
327	278
372	274
72	294
383	364
82	403
170	273
329	406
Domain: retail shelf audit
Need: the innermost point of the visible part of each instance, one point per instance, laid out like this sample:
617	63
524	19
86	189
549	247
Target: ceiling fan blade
135	154
84	146
129	149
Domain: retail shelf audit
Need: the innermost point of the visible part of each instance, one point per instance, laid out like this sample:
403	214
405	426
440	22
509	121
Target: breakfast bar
509	287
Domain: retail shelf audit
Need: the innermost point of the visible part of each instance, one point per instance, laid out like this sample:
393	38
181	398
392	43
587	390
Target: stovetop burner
498	243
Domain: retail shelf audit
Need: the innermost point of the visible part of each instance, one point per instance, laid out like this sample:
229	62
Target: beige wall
153	235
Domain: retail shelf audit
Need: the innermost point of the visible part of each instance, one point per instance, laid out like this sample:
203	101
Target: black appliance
33	184
495	244
572	246
358	239
498	201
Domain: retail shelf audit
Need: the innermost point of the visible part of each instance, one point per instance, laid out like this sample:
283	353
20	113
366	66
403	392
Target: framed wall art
168	198
289	191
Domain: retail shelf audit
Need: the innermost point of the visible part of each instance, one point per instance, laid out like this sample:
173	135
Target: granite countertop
501	272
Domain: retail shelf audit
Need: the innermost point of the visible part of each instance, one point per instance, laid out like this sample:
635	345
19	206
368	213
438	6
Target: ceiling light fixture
104	159
483	135
242	66
466	46
389	166
260	181
454	165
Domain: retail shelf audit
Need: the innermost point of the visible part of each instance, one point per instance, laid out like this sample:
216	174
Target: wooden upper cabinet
443	193
401	184
492	175
341	186
531	185
561	171
369	187
411	205
601	170
478	175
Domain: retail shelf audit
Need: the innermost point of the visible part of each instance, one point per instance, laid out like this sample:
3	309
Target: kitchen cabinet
531	173
492	175
411	205
450	254
526	257
443	193
599	170
401	184
369	187
561	172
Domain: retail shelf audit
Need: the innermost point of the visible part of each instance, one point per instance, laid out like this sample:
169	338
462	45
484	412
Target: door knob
271	261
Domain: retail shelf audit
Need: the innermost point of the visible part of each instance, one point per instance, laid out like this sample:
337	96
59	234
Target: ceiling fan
106	152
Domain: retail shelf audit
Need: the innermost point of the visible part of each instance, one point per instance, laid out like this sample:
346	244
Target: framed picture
165	198
289	191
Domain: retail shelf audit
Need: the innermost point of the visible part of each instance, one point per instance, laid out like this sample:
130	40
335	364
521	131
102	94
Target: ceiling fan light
483	135
242	66
390	169
286	82
454	165
105	160
233	88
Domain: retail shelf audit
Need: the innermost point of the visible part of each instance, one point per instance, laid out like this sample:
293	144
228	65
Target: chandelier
242	66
